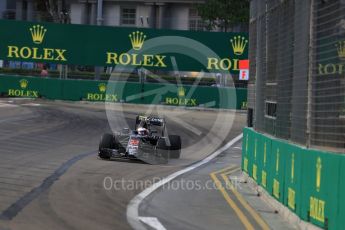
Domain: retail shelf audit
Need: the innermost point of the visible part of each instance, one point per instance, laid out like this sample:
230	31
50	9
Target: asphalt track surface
51	178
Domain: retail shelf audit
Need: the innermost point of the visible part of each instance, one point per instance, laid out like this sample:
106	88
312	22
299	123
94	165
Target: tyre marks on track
33	142
16	207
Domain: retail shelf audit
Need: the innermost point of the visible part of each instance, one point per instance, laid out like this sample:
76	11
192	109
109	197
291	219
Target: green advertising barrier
20	87
248	147
51	88
159	93
122	47
76	90
341	202
256	158
31	87
293	178
129	92
245	150
277	169
210	97
320	189
308	182
264	161
99	91
241	96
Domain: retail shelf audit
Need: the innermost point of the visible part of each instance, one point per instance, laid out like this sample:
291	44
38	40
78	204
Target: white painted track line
152	222
133	207
31	104
6	105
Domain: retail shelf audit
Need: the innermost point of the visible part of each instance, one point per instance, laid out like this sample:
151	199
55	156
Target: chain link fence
297	87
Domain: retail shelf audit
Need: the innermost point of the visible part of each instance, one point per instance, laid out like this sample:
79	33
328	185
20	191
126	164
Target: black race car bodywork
153	148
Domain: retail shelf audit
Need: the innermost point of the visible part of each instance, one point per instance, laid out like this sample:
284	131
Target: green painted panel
320	188
307	181
293	178
257	157
76	90
341	202
88	90
241	99
124	47
51	88
248	152
277	169
245	148
22	86
265	148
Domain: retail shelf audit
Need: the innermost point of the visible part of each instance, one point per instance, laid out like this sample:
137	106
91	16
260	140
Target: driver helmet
142	131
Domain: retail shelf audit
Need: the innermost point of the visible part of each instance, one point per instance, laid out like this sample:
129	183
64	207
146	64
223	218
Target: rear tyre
175	146
107	142
137	122
163	148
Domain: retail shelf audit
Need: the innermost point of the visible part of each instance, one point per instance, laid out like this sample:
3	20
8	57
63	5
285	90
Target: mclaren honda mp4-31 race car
147	142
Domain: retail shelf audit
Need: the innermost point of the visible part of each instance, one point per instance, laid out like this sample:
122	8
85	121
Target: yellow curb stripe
225	169
245	204
232	204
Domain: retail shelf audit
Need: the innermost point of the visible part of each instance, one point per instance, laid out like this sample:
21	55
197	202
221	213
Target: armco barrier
308	182
320	189
167	94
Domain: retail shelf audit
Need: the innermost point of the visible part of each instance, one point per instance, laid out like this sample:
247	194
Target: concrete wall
144	12
111	14
169	16
2	8
179	16
78	13
6	5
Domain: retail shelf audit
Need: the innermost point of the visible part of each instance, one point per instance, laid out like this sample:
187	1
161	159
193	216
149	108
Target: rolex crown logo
102	87
38	32
23	83
238	44
137	39
181	92
341	49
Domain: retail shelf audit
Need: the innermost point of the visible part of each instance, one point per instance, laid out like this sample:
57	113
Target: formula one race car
147	142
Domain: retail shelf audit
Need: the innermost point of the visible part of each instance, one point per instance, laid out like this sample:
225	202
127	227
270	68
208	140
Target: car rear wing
152	120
